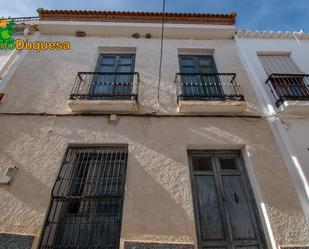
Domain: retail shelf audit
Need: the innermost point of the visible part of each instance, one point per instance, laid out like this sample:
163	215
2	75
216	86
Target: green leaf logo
7	32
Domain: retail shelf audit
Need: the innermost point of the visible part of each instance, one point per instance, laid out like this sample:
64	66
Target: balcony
107	92
290	92
209	93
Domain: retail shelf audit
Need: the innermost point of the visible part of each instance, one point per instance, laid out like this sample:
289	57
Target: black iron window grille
288	87
87	199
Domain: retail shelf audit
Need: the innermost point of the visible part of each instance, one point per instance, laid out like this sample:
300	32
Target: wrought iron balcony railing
208	87
105	86
288	87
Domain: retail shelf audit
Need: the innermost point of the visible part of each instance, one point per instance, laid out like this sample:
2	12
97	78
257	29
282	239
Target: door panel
207	199
224	207
238	209
189	82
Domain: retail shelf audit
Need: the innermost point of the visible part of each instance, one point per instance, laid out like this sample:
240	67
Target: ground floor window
87	199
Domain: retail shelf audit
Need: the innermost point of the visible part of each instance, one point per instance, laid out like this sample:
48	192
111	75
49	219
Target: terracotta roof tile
140	17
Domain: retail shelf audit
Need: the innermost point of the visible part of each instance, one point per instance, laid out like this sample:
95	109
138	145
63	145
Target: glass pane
105	69
187	61
108	60
125	60
205	63
201	164
207	70
186	69
228	163
125	69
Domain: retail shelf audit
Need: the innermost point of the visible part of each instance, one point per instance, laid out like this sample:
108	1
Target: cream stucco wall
158	203
47	85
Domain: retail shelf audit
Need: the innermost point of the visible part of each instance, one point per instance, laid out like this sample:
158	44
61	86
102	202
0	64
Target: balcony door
199	78
225	210
114	77
289	82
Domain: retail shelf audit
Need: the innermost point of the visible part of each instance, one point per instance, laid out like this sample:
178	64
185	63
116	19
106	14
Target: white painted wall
291	130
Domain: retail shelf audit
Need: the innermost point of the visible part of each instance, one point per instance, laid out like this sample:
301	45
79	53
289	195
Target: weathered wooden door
225	211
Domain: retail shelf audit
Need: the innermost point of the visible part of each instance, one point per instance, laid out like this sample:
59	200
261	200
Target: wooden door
225	210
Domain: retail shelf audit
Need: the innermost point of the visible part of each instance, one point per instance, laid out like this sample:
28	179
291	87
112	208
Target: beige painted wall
158	205
44	80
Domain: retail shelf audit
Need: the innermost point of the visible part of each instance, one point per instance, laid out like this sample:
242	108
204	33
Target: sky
276	15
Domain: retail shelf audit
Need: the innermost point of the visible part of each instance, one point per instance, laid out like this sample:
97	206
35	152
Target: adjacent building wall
293	128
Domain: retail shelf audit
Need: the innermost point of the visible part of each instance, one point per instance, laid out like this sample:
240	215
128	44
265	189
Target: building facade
118	146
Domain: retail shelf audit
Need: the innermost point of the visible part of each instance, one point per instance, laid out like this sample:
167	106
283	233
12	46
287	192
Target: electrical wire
161	54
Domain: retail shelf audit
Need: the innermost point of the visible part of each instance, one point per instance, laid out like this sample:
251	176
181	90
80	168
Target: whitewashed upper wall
43	81
298	49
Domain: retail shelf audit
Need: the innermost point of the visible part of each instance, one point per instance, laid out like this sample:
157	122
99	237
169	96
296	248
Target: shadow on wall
27	188
162	191
151	211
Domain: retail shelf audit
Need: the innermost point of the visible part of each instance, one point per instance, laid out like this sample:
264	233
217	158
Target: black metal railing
106	86
208	86
288	87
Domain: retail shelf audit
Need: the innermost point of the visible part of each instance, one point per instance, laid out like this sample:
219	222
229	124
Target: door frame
249	192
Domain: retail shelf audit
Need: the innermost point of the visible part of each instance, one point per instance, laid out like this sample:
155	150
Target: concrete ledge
212	107
150	245
299	107
103	106
15	241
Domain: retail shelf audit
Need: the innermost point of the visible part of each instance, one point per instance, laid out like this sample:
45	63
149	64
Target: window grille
87	199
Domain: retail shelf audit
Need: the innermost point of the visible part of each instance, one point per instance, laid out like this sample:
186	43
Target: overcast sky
284	15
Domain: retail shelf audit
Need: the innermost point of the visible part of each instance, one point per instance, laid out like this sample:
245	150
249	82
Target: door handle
236	198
